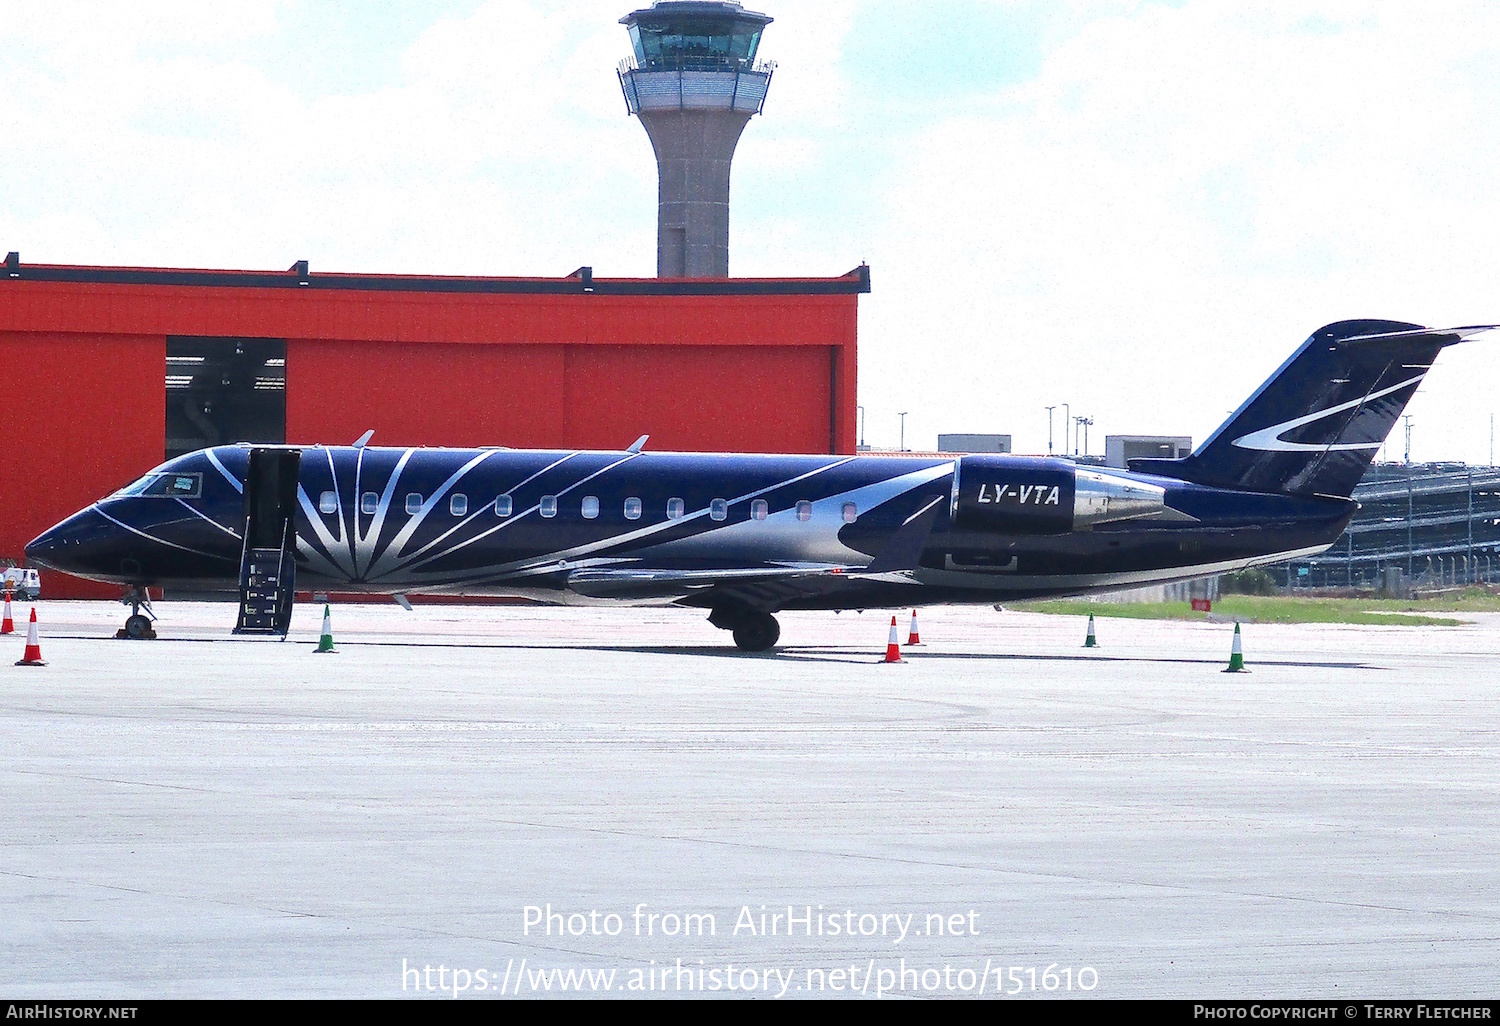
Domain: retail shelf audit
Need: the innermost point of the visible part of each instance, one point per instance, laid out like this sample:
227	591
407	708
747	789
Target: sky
1137	209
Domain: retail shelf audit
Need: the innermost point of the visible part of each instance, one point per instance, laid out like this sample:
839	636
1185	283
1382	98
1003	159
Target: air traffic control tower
694	84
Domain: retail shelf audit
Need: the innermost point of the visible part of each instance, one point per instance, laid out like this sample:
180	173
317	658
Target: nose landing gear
137	624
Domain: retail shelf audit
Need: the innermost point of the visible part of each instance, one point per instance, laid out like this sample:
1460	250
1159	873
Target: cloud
487	153
1152	223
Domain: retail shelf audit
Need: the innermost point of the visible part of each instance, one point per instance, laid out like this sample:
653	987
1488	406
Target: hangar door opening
224	390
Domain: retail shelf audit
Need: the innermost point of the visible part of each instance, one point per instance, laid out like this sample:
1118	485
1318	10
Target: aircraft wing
765	586
642	583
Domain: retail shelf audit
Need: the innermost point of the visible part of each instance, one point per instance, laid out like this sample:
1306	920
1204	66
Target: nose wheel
137	624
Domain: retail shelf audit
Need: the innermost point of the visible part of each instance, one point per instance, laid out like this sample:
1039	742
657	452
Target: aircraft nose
84	545
45	549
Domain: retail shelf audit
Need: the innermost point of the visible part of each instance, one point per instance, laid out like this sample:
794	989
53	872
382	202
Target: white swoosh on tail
1270	440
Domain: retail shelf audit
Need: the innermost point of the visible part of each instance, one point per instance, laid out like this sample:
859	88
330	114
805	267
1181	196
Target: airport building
973	443
1119	450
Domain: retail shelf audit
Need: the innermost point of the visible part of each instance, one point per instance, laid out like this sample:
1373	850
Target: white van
23	583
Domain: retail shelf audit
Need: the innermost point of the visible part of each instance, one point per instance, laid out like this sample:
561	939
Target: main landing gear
754	631
137	624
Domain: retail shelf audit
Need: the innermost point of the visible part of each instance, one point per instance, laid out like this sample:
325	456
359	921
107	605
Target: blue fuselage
773	532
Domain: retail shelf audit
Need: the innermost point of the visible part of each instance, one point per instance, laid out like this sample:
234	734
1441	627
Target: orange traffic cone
892	649
7	626
33	656
913	638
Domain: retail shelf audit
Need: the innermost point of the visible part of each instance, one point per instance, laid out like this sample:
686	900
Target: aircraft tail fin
1315	425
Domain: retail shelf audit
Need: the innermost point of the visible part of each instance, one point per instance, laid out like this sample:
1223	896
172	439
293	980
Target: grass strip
1271	609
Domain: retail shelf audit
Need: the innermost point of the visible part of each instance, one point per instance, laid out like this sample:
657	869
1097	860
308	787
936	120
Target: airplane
745	536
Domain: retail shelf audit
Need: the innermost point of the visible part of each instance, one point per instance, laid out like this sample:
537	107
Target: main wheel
757	633
139	627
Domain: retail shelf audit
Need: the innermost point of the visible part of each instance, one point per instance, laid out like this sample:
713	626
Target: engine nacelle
1039	495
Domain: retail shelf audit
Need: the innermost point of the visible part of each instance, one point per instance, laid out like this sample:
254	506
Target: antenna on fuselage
363	440
638	444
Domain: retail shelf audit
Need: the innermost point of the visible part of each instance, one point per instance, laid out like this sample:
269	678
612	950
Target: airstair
268	565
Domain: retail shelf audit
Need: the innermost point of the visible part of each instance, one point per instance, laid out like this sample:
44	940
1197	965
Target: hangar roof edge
581	281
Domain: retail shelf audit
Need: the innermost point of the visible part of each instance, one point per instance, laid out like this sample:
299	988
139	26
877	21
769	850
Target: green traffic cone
1090	641
1236	654
325	643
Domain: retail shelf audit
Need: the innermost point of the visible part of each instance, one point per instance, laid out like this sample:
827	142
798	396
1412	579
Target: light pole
1049	429
902	415
1409	563
1067	419
1081	421
861	426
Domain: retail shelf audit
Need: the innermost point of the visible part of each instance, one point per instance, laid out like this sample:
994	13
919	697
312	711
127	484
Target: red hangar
117	368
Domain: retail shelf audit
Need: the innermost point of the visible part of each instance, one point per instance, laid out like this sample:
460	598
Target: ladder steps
267	578
268	561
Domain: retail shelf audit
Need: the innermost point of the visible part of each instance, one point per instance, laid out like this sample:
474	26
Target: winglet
363	440
904	550
638	444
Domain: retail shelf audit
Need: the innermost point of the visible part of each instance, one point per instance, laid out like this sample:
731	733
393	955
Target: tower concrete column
693	153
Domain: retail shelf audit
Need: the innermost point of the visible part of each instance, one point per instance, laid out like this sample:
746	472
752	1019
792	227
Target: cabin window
369	503
851	513
759	509
328	503
413	503
804	510
718	509
632	508
548	506
458	505
590	507
502	506
675	508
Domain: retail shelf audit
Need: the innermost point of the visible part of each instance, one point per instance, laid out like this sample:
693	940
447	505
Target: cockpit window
136	487
171	486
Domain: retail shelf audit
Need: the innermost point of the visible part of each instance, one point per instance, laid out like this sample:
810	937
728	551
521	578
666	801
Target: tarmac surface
205	816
